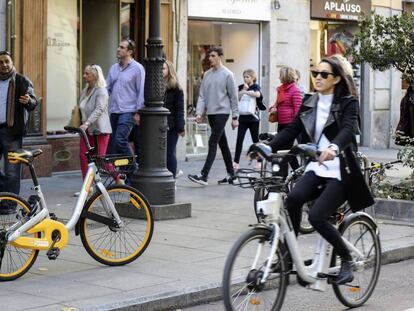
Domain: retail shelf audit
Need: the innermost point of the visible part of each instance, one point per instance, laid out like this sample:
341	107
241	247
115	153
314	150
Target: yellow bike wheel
109	243
15	261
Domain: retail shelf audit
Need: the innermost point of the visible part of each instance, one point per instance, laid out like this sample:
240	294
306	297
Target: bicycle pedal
326	276
53	253
53	216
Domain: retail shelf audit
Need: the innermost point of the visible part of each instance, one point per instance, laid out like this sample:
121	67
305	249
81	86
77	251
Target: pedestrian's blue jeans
122	124
10	177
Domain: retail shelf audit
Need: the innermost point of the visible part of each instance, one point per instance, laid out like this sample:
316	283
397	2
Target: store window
127	17
62	61
329	38
241	46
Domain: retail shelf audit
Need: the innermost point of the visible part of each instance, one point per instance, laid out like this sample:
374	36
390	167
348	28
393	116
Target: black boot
345	274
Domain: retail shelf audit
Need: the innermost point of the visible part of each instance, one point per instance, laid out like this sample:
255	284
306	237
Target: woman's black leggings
253	126
328	200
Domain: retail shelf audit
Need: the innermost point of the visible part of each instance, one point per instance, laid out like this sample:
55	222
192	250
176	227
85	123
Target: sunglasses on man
324	74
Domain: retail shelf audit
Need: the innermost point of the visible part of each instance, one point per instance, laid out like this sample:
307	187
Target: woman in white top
94	110
330	119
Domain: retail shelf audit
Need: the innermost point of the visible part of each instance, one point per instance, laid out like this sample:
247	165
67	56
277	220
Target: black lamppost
153	179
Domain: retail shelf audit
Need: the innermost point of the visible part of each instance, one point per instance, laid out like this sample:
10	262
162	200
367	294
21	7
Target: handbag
75	118
273	117
247	105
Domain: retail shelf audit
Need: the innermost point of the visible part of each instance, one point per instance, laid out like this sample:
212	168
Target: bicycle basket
115	165
250	178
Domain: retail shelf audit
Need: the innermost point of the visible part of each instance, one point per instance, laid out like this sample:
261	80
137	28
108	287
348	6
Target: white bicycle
258	266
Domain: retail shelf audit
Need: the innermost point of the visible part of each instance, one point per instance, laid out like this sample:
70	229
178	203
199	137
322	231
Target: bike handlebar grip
82	133
72	129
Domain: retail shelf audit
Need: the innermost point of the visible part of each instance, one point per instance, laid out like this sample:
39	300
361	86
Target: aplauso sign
339	9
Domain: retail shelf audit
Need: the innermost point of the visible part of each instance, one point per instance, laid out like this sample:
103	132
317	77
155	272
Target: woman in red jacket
288	102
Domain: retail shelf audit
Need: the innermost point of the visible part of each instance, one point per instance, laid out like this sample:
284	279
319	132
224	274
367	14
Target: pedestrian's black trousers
218	136
330	198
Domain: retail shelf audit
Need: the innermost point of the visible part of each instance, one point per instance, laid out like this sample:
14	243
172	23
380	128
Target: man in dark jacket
17	99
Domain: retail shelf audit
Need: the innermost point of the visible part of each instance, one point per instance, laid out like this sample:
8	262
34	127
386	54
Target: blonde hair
171	79
287	74
345	64
97	72
251	73
297	74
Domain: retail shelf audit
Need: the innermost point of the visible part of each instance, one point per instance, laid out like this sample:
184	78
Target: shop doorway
241	45
102	31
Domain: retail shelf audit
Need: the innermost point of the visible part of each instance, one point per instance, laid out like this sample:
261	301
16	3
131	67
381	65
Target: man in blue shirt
126	87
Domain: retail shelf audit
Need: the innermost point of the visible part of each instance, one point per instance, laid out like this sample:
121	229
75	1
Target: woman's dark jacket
174	102
339	129
21	112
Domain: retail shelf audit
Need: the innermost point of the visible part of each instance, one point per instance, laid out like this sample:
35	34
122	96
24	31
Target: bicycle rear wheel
242	286
109	244
360	232
15	261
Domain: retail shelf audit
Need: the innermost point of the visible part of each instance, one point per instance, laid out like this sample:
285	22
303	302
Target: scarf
11	92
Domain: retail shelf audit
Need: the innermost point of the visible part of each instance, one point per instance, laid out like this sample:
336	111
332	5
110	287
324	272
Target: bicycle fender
261	226
358	215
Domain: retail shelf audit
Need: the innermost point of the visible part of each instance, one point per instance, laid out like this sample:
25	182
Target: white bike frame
92	175
283	231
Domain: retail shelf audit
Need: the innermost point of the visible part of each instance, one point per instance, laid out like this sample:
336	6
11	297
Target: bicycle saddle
23	155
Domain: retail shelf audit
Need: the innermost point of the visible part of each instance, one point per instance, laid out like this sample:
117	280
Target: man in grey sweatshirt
217	99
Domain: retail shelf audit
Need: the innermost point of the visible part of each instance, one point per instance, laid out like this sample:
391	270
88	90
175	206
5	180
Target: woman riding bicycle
329	119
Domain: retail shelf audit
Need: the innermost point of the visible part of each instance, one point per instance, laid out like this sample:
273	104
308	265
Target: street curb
212	292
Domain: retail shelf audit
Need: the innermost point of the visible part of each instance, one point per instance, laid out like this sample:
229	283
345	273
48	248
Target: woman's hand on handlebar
327	155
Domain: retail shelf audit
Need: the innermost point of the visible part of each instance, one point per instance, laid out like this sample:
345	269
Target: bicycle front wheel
15	261
243	288
361	233
117	245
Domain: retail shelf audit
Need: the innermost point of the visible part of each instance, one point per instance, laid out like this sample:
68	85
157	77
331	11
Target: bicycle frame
314	274
38	224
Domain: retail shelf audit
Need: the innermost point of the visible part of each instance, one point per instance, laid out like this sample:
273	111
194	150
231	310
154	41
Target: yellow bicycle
115	223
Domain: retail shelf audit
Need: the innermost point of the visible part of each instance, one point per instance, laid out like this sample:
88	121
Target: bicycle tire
16	261
117	246
240	281
360	231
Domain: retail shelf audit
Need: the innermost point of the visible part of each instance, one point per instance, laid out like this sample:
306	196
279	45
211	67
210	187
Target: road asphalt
182	266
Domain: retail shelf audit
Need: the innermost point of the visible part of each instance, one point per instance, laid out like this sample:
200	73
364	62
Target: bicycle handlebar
265	151
82	134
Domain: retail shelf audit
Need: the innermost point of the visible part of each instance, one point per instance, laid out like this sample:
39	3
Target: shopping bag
273	116
75	118
247	105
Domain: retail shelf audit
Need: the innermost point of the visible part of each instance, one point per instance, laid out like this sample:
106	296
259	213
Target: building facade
53	40
265	35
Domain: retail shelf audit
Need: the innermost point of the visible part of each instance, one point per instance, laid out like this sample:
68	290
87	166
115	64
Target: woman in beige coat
94	109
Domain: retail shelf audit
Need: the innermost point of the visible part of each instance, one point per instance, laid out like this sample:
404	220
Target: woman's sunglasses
324	74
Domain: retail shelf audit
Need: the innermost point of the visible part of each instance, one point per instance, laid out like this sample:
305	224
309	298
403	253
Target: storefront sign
339	9
408	7
258	10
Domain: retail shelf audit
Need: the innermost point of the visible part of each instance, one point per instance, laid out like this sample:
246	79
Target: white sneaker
179	174
76	194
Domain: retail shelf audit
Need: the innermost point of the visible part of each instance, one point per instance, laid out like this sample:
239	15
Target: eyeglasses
324	74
